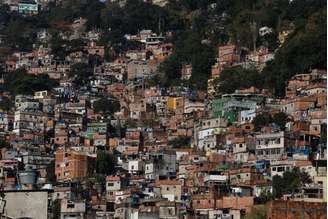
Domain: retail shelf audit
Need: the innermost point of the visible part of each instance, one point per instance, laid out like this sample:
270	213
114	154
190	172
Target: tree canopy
261	120
234	78
80	72
107	106
306	48
264	119
291	182
280	119
6	103
19	82
180	142
105	163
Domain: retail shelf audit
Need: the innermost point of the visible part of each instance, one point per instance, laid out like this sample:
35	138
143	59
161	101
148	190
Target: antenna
159	25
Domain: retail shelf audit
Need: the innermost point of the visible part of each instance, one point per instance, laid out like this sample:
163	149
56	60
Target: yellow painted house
174	102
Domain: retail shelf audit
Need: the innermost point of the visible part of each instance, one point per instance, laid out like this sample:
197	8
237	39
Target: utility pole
253	27
159	25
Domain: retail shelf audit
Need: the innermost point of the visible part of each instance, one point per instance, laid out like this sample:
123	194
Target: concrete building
26	203
270	146
72	209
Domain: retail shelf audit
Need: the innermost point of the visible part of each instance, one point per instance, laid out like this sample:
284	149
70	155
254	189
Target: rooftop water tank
27	177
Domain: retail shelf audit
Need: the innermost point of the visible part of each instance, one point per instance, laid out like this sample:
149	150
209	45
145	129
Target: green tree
4	144
244	29
261	121
291	181
6	104
19	82
107	106
180	142
105	163
58	46
56	209
170	71
51	176
75	45
92	13
188	49
234	78
134	16
280	119
80	72
26	29
306	48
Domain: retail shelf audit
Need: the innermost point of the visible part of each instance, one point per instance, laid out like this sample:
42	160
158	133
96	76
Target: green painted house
229	106
28	7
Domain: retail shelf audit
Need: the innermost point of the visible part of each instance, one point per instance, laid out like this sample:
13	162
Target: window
273	151
70	205
281	169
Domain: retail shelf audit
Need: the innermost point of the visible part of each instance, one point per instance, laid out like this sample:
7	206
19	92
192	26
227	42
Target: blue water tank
27	177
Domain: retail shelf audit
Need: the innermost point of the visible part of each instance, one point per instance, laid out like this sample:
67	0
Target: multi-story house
271	146
72	164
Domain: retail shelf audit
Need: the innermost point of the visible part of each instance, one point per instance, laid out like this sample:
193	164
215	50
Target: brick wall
296	209
236	203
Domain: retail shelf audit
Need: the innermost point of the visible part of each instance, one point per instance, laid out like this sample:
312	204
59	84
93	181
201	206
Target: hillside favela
163	109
